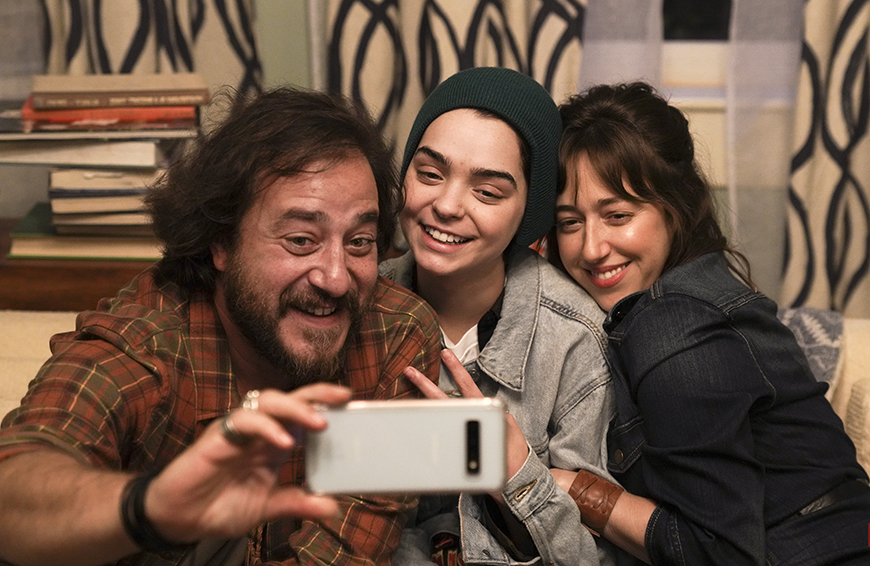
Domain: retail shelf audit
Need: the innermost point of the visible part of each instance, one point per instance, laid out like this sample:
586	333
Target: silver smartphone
409	446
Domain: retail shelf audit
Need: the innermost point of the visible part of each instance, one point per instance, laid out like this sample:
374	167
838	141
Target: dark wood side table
58	285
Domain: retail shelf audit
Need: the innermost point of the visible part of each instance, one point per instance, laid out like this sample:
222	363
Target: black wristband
137	525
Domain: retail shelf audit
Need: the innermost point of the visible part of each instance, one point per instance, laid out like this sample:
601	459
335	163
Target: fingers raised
424	384
460	375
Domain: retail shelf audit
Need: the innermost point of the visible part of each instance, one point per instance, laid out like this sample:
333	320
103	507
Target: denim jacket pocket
625	441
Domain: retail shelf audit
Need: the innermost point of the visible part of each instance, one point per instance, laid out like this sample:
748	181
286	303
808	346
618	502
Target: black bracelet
137	525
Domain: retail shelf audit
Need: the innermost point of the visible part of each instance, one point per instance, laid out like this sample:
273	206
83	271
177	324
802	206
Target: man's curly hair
204	195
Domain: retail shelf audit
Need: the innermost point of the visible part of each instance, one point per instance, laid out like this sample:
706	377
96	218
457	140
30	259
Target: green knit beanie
524	104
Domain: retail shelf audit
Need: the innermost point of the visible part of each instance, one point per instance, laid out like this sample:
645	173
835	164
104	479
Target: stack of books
101	201
35	238
102	120
106	138
166	101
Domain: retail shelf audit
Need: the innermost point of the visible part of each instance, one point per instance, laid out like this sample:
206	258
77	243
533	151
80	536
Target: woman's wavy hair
632	136
280	133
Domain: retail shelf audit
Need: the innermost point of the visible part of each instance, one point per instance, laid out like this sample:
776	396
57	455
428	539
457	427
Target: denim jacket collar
516	326
507	366
708	277
400	270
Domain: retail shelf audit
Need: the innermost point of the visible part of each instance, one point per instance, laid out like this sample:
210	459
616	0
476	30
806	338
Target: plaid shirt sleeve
402	331
100	395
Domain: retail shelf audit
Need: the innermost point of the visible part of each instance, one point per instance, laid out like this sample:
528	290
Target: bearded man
160	430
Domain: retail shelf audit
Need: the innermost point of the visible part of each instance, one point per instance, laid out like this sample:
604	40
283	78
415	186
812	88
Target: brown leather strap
595	497
844	491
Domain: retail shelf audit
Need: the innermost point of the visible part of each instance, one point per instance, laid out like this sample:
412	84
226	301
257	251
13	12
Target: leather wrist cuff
595	497
136	524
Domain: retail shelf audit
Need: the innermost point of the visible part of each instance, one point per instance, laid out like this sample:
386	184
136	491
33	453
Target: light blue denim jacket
546	362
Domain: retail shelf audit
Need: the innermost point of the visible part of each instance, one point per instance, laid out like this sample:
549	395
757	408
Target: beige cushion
850	391
857	421
24	348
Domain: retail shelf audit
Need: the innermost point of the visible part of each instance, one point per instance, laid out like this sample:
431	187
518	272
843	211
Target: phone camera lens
472	447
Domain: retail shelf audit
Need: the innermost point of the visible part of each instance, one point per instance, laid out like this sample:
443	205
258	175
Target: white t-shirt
467	349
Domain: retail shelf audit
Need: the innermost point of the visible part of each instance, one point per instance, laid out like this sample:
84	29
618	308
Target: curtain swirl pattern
212	37
390	54
828	239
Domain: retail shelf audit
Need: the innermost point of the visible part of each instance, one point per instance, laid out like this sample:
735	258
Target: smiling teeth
608	274
321	311
445	238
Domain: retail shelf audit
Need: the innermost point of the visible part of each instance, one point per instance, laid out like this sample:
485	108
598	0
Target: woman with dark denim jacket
726	446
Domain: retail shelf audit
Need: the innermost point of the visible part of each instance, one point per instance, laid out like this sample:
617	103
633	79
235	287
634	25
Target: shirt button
617	457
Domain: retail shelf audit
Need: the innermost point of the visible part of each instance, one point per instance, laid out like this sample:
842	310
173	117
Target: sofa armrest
857	420
850	391
24	348
853	365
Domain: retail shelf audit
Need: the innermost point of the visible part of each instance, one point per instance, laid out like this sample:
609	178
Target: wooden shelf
43	284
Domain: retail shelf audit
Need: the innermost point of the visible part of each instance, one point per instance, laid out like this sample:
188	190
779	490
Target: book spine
60	100
96	204
83	153
59	193
101	180
110	114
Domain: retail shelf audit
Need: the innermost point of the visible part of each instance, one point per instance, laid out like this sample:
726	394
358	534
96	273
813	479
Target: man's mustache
314	298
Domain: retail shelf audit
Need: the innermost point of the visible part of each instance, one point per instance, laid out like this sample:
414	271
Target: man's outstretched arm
59	510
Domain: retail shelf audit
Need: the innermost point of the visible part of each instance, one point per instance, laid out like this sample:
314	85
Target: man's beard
258	321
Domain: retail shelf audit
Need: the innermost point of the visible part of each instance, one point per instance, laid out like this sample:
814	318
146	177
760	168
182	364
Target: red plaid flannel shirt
142	376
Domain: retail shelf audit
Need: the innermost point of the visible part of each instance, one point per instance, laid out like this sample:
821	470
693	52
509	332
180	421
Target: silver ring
233	436
251	403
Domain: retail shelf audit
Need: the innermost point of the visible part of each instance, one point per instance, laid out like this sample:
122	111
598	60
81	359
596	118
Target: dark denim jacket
720	420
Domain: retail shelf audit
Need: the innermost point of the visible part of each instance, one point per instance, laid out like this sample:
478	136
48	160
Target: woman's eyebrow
494	174
602	202
480	172
431	153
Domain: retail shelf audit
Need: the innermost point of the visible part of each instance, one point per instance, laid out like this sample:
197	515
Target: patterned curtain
828	240
391	54
622	41
764	59
212	37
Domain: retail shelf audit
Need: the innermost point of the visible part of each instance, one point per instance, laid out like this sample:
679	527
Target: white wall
282	28
20	187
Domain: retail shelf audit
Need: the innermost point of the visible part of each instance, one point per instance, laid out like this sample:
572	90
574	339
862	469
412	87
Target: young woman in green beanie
481	173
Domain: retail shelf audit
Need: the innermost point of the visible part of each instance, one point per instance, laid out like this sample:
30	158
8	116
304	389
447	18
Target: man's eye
299	241
361	246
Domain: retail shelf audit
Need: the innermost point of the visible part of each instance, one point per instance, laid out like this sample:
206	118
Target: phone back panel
409	446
